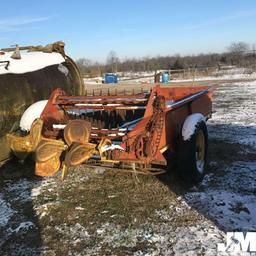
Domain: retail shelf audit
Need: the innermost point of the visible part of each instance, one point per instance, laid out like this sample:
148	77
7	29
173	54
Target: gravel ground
101	212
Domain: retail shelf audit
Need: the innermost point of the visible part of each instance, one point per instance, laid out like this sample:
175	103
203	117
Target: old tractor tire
192	155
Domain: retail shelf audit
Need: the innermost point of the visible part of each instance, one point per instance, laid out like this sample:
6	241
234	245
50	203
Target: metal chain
156	132
145	145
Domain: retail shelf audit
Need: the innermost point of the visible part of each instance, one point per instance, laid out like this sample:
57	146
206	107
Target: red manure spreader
142	131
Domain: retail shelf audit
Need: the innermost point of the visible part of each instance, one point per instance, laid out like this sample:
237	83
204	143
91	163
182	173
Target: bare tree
238	54
84	65
85	62
237	50
112	61
238	47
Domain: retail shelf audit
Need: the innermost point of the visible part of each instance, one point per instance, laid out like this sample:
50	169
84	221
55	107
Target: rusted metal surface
80	129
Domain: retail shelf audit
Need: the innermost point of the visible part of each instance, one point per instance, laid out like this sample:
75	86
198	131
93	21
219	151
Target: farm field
98	211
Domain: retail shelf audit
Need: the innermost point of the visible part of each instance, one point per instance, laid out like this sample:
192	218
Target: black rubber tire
186	156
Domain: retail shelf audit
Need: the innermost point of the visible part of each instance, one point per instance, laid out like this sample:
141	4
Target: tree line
238	54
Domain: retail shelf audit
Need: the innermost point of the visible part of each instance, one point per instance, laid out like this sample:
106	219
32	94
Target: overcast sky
133	28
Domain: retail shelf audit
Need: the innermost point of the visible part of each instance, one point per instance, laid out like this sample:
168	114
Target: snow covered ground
235	117
148	77
94	212
232	74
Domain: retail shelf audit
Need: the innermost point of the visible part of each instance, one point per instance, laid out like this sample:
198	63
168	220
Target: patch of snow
234	71
31	114
197	240
190	124
228	199
234	113
116	237
24	190
73	232
112	196
100	231
6	212
95	80
230	210
43	210
30	61
36	191
20	190
43	214
79	208
167	239
24	226
230	76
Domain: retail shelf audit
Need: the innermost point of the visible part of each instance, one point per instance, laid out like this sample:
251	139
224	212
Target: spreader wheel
192	154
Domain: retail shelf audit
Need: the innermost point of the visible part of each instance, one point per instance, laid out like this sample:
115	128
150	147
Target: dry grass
111	196
122	199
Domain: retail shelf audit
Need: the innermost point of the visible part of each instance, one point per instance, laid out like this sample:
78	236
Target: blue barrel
165	78
110	78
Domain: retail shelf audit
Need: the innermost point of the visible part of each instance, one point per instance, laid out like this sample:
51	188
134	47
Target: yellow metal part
64	171
162	150
48	148
77	131
104	142
23	146
47	156
79	153
48	168
48	151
